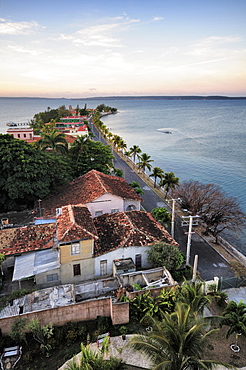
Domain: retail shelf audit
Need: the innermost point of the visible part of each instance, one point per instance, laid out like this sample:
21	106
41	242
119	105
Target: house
99	192
79	248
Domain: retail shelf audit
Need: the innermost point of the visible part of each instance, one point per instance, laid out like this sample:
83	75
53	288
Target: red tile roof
27	239
125	229
87	188
75	223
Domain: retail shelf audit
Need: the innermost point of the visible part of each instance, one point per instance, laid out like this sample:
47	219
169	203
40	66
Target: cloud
19	49
17	28
158	18
101	35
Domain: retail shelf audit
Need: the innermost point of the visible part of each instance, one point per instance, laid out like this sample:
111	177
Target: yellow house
76	234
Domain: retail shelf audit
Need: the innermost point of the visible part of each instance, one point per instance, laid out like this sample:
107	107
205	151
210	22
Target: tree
136	186
41	333
234	316
157	172
27	174
144	162
218	211
95	155
55	141
193	295
91	360
162	215
162	254
169	181
177	342
17	332
135	151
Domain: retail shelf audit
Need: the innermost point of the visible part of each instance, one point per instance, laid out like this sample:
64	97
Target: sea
207	139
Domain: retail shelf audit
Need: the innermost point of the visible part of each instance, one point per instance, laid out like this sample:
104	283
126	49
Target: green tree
41	333
95	156
17	331
144	162
91	360
136	186
169	181
157	173
54	141
135	151
193	295
162	215
234	316
27	174
177	342
162	254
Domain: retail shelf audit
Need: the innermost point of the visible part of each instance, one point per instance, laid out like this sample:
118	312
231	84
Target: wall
106	203
83	311
129	252
87	269
86	251
135	203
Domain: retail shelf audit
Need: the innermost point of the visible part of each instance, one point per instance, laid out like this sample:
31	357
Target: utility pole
189	238
173	215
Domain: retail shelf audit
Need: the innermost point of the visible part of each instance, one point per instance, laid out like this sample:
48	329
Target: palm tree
157	172
234	316
169	181
192	294
135	151
80	146
54	141
144	162
116	140
177	342
122	145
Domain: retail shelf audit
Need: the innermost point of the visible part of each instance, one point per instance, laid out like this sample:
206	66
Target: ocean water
207	141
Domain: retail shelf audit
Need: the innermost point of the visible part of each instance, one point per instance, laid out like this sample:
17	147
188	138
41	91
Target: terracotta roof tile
87	188
26	239
75	223
125	229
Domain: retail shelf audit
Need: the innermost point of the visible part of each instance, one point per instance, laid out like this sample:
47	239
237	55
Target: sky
79	49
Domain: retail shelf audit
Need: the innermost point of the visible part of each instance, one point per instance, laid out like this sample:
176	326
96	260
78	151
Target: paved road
210	262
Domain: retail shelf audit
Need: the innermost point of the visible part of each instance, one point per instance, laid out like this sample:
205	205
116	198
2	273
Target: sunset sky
79	48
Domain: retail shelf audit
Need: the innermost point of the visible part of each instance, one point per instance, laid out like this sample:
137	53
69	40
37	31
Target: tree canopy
162	254
217	210
27	173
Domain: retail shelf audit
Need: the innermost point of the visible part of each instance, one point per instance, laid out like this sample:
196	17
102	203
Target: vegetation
145	162
55	141
162	254
27	173
41	118
162	215
157	173
136	186
218	211
177	342
169	181
234	316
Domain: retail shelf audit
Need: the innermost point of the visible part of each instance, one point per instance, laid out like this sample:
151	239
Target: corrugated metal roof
34	263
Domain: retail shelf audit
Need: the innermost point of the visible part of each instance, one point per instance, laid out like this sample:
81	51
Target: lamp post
39	205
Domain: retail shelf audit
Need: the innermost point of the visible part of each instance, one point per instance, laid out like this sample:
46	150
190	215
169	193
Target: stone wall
82	311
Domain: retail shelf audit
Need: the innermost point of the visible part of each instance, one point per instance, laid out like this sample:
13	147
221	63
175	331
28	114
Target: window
18	135
103	267
98	213
24	135
115	210
138	261
75	249
76	270
52	277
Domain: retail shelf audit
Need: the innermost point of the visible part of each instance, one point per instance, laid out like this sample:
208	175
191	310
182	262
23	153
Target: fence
233	282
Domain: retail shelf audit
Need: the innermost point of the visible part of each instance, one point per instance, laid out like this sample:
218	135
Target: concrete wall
87	269
106	203
119	253
82	311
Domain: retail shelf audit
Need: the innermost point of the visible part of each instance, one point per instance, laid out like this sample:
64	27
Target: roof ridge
100	181
132	229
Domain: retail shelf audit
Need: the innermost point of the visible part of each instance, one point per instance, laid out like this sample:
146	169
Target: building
99	192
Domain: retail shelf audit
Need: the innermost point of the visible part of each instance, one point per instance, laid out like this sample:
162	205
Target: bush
162	254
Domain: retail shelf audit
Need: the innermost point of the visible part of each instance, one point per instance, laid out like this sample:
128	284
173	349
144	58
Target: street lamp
39	205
